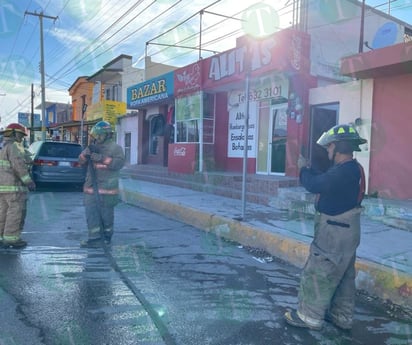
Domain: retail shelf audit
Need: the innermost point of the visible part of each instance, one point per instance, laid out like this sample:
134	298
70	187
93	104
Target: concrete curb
377	280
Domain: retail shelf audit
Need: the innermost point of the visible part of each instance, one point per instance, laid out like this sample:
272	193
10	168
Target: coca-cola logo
179	152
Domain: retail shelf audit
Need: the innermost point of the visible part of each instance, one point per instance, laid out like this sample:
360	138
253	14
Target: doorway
323	117
272	141
127	146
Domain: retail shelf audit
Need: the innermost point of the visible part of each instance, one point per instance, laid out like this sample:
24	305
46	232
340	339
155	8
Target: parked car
56	162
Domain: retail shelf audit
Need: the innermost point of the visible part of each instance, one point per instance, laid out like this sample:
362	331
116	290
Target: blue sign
151	91
24	119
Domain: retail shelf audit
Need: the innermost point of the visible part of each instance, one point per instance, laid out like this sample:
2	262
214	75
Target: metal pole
43	84
32	115
84	108
245	149
81	131
200	34
362	25
201	133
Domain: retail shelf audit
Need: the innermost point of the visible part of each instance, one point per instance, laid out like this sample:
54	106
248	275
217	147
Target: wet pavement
203	289
384	261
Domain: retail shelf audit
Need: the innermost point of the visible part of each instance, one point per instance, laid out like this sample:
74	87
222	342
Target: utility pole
32	115
84	109
41	15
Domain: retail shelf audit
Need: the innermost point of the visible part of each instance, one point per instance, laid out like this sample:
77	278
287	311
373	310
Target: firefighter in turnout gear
327	286
104	159
15	182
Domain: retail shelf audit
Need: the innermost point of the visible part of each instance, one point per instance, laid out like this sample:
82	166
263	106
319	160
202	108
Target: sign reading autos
156	90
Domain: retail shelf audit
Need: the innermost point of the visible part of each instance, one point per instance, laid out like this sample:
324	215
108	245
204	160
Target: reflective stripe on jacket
14	175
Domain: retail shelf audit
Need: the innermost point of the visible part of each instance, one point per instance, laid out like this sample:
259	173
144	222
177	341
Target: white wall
129	124
334	27
355	101
131	76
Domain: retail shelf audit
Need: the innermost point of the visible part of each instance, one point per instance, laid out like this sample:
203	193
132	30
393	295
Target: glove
31	186
302	162
96	157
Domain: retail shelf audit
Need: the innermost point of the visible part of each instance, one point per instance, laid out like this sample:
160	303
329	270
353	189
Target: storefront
215	120
154	103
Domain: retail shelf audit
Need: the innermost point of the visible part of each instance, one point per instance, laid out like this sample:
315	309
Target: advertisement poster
188	107
236	137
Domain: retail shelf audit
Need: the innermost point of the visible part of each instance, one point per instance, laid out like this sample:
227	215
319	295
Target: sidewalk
384	256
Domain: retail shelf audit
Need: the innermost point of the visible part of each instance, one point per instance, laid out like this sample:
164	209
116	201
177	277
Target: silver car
56	162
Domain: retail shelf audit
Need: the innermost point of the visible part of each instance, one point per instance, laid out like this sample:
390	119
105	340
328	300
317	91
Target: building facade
386	75
149	124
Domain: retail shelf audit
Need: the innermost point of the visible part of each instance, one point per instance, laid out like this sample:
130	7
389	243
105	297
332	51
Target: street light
84	108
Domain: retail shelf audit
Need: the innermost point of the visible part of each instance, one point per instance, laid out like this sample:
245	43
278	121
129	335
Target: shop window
157	126
188	118
188	131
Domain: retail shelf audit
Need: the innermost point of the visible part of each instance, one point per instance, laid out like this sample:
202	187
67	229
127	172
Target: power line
130	34
14	46
100	36
58	76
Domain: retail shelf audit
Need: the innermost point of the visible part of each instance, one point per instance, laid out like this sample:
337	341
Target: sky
81	36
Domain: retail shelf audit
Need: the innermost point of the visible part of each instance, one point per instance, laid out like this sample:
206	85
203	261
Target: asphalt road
160	282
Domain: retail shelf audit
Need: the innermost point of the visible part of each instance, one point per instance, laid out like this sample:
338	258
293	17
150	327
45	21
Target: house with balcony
81	94
58	121
102	96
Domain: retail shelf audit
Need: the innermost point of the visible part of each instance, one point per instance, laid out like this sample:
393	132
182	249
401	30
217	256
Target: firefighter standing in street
15	182
327	286
101	188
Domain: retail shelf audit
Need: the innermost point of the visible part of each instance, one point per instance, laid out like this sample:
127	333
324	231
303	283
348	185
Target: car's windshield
60	150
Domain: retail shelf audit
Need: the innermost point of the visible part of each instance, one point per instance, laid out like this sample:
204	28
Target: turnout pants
13	208
328	278
98	215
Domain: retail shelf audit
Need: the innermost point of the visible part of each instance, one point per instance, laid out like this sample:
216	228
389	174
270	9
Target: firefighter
104	159
15	182
327	286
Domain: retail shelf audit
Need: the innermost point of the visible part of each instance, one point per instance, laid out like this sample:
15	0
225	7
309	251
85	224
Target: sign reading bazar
156	90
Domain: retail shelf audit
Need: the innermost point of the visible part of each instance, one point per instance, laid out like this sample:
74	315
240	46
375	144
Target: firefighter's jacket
14	172
107	170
